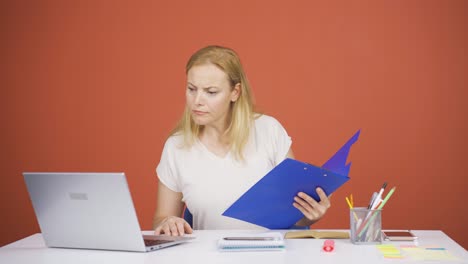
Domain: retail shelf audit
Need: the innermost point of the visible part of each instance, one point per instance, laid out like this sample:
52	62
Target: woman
219	149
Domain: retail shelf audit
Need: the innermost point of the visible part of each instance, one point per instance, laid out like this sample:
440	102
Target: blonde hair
242	110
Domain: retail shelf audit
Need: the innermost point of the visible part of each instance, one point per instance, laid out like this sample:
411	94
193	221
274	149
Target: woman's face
209	95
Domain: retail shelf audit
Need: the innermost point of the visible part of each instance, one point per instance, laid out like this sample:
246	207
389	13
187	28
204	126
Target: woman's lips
196	112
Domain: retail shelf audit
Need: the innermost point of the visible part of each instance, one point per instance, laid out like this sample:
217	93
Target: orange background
98	85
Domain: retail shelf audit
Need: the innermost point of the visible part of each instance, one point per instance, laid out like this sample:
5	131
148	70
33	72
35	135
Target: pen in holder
366	225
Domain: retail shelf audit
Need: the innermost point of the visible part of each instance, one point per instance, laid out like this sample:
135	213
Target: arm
169	207
311	209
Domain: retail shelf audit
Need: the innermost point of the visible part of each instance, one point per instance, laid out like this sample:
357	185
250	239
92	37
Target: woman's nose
199	98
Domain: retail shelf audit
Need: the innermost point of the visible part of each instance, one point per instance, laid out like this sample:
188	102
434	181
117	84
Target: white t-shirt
210	184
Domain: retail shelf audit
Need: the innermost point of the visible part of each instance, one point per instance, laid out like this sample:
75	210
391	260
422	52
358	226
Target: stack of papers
252	242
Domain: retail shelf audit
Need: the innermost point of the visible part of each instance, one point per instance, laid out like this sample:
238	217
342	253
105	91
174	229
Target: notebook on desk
89	211
270	241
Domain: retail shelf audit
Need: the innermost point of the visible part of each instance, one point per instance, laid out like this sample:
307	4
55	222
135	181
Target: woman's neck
215	135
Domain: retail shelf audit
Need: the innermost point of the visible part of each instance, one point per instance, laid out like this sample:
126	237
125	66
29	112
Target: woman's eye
191	89
212	93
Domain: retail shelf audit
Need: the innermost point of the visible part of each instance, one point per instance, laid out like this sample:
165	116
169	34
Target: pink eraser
328	245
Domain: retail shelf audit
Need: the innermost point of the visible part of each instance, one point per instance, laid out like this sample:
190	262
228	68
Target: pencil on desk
349	203
351	206
379	208
366	221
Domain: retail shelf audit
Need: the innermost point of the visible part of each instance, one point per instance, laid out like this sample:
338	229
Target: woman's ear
235	93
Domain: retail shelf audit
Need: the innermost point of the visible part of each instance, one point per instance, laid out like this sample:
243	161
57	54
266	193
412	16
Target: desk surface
203	250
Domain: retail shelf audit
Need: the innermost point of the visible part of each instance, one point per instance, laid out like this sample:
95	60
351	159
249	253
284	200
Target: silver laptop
89	211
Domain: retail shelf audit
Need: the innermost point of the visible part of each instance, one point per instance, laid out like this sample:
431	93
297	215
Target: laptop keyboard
151	242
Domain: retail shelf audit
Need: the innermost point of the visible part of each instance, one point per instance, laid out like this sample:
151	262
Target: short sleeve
282	142
166	170
274	137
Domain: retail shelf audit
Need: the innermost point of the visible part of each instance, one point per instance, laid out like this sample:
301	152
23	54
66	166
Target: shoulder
174	142
175	139
266	121
269	127
272	138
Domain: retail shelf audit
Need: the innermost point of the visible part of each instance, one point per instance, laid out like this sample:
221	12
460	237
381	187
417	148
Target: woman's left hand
312	209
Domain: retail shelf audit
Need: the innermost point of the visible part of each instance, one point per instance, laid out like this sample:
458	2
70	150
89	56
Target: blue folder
269	202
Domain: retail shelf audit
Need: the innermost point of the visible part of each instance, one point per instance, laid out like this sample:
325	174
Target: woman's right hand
173	226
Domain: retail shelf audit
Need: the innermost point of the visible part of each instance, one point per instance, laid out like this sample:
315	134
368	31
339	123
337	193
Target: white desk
203	250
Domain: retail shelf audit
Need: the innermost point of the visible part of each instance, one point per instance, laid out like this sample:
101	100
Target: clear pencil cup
366	226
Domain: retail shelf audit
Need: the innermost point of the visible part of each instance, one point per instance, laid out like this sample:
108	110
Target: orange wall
97	85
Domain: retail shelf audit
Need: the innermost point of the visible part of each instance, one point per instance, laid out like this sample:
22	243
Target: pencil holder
366	226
